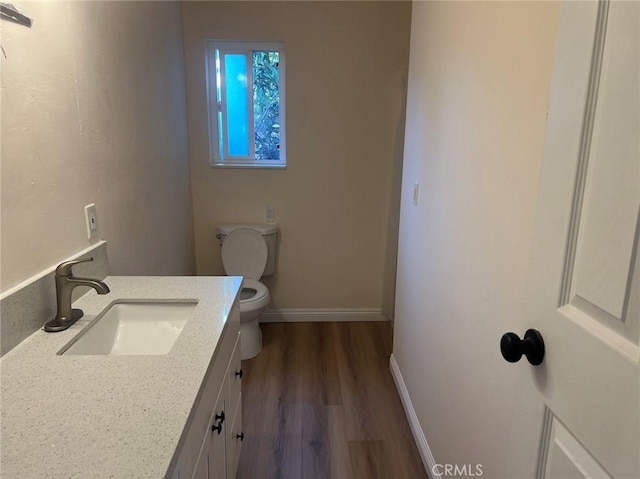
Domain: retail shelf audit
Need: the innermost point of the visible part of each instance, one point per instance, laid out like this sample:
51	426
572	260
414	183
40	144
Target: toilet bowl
247	250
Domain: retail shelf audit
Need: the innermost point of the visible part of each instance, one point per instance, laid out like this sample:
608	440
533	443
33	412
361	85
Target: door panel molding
562	453
583	153
544	443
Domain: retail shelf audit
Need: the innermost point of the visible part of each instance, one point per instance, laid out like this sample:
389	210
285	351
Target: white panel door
578	413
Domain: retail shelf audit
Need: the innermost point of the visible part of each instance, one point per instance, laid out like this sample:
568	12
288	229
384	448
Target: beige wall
479	79
345	79
93	110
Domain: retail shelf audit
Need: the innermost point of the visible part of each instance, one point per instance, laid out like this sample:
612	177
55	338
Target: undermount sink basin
133	328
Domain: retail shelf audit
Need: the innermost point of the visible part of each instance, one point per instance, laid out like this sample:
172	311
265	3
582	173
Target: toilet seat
253	306
260	290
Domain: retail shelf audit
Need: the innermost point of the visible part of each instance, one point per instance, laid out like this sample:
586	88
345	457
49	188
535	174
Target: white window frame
245	47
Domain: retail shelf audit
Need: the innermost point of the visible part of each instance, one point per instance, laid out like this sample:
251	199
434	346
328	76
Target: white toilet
249	250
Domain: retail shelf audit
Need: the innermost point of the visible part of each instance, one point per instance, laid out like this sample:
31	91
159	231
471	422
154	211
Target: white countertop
67	416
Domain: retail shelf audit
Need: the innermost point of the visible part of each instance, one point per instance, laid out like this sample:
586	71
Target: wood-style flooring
319	402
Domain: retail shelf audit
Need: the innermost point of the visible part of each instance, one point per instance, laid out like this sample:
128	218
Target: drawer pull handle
240	436
239	374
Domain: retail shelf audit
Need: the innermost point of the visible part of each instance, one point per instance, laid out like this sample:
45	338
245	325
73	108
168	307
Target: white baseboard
321	315
418	435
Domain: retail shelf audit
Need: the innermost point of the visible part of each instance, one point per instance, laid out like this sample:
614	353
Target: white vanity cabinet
212	442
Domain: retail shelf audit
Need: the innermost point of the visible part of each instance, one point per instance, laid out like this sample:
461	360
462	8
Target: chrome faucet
66	282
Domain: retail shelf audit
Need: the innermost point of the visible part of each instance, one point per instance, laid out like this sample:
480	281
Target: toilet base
250	339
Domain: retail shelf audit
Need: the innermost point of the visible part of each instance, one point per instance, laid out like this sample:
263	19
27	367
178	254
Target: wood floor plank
365	339
316	445
339	447
368	460
324	445
320	379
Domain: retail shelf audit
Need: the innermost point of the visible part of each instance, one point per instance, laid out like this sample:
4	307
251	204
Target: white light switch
92	220
416	191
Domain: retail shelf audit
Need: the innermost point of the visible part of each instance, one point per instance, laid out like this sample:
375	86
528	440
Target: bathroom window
245	82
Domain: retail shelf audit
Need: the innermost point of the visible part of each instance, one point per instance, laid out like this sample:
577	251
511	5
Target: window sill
255	165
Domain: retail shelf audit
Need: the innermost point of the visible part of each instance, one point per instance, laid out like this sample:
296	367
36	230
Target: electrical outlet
269	214
92	220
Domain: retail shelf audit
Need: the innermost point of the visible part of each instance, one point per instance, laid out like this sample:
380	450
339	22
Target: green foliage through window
266	105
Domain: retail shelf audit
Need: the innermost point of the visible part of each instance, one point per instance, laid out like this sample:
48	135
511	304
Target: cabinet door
217	435
211	462
235	377
235	437
234	406
202	466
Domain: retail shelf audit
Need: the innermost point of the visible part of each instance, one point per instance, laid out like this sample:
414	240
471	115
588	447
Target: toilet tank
268	231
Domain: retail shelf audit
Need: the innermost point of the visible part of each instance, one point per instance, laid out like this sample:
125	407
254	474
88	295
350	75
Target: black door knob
532	346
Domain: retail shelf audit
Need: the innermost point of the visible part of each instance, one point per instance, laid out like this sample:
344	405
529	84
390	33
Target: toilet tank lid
263	229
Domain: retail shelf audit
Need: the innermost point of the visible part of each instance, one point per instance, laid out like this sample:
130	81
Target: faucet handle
64	269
